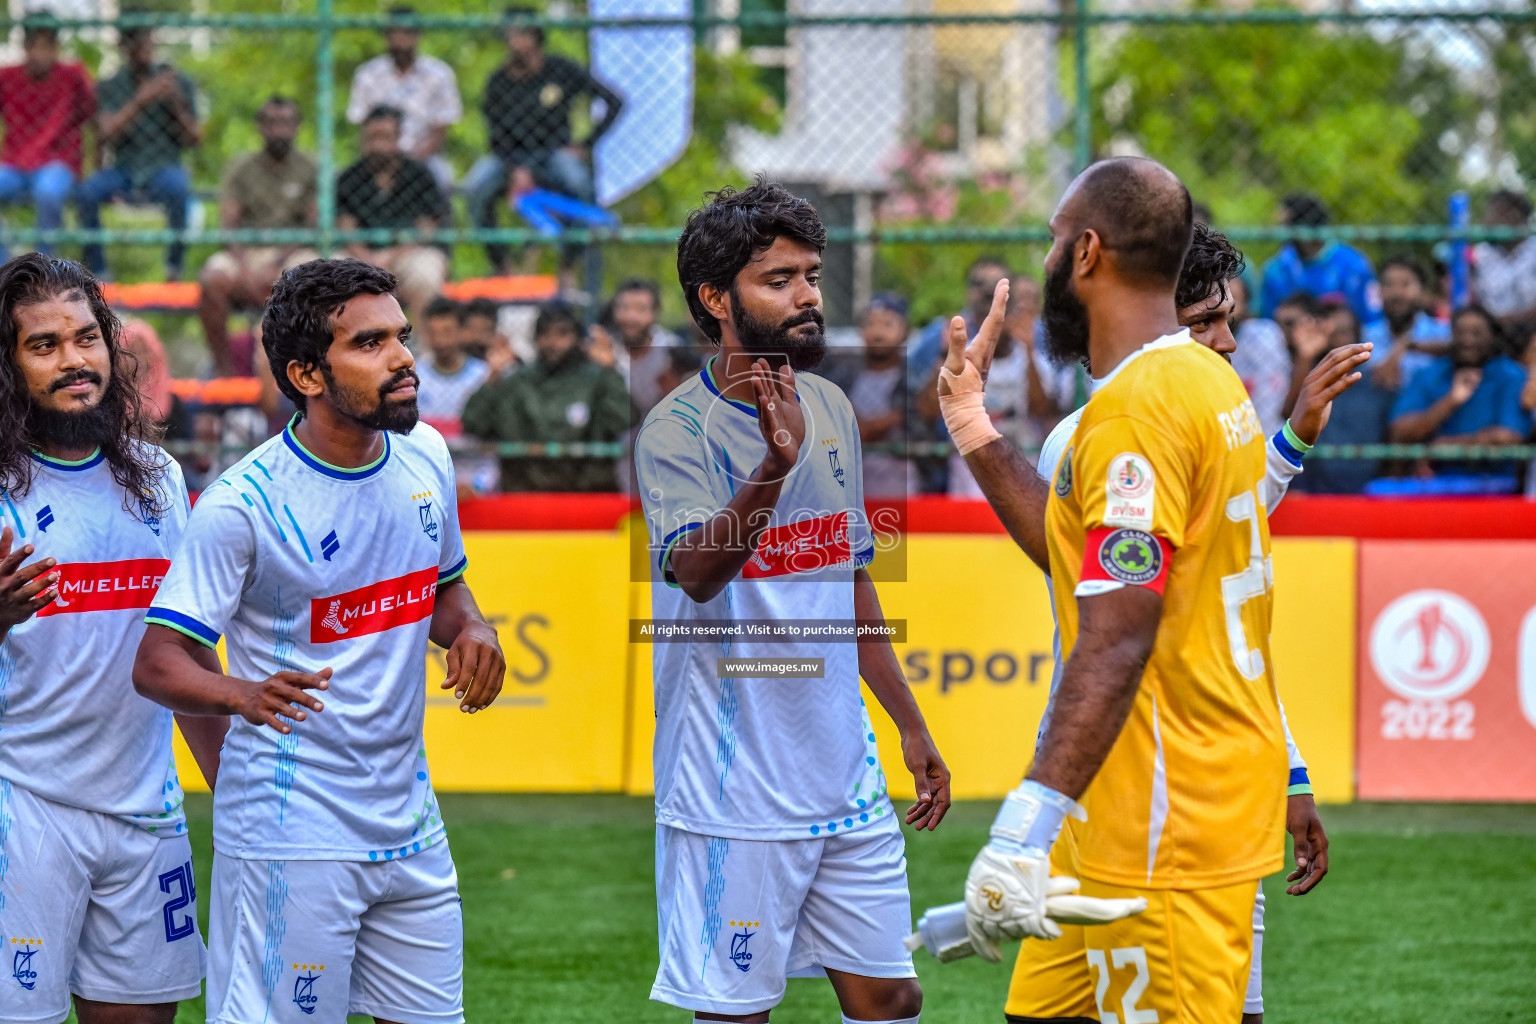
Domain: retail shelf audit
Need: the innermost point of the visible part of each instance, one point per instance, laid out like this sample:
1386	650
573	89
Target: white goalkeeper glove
1010	894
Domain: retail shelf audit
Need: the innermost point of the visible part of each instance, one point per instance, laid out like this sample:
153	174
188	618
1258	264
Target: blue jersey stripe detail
458	569
1286	449
690	405
183	624
258	465
708	374
303	543
280	534
335	472
21	531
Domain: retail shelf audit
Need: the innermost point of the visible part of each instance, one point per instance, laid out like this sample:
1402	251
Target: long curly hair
137	466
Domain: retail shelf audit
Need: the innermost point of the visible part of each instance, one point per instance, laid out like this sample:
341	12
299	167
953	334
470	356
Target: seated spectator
422	88
147	118
1470	396
1329	271
275	188
527	105
564	396
43	103
641	353
1362	414
1504	272
1407	338
925	354
449	375
387	189
875	383
1262	360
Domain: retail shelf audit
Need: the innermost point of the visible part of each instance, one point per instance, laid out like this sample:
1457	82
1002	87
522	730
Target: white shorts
1253	1002
310	941
94	906
738	917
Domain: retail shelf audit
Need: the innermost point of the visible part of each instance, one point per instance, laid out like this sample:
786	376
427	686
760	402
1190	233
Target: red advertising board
1447	670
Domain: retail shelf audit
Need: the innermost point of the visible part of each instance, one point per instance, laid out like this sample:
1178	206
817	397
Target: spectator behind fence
1361	415
1262	360
527	105
1470	396
640	344
1504	273
274	188
387	189
1407	338
44	102
449	375
422	88
1052	388
147	118
923	358
564	396
875	382
482	338
1329	271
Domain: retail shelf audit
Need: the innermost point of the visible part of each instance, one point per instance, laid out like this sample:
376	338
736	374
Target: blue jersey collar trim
708	373
90	461
325	468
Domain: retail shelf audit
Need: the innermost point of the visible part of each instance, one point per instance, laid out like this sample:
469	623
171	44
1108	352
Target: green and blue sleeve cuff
449	575
183	624
1299	783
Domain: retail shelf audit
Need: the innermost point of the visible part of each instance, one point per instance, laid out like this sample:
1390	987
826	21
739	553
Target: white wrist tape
1032	816
964	409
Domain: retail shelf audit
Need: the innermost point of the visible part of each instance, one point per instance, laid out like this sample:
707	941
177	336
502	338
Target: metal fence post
1082	150
325	111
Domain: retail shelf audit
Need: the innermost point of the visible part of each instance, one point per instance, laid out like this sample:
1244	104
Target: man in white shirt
97	898
327	558
450	375
778	852
1504	273
424	90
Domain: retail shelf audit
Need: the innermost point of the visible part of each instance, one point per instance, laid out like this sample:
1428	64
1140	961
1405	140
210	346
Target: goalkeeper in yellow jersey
1158	546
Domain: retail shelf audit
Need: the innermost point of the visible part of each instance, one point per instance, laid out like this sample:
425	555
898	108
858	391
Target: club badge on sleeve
1129	492
1128	556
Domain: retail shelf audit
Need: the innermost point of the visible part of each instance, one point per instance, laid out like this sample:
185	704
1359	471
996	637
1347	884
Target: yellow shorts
1051	979
1183	961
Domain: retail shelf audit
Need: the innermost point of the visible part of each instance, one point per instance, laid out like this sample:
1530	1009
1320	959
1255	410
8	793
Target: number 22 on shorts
1129	956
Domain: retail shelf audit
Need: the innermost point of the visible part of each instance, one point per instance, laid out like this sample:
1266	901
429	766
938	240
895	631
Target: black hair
400	11
384	110
298	325
1517	201
639	284
1407	263
552	315
1142	213
684	360
442	305
989	260
1211	262
734	228
136	467
487	308
513	14
1477	309
277	99
1328	309
32	29
1304	301
1304	210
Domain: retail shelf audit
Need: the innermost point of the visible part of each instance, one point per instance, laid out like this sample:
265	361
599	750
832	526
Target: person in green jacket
564	396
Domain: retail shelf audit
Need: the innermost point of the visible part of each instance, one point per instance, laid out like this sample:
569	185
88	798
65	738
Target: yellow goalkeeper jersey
1160	488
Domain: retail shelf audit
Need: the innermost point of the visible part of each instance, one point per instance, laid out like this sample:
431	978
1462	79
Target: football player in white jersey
96	887
327	558
1052	981
777	849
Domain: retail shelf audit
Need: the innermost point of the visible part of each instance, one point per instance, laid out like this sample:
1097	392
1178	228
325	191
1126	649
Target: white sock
905	1020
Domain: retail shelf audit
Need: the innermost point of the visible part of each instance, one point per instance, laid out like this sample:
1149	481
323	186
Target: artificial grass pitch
1428	914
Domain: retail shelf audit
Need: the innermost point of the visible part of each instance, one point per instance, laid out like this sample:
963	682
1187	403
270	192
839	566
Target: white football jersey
302	565
760	758
1282	464
72	729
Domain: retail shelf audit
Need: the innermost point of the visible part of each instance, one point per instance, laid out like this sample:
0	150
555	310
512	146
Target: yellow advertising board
576	713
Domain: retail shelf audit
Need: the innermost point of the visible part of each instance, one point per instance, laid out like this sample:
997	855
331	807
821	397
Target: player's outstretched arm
1329	379
882	672
1008	480
704	560
170	670
476	666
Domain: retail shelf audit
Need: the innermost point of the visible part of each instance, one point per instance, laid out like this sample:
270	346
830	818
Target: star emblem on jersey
1064	476
424	510
150	519
304	986
1131	556
44	518
329	545
24	952
740	956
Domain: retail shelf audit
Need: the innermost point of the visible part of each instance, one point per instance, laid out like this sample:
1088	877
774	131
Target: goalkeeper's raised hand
1010	894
